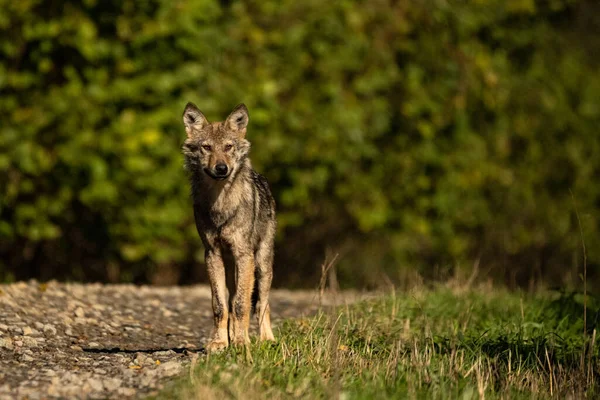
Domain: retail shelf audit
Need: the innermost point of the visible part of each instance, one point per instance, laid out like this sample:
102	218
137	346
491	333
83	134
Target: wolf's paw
216	345
267	335
241	340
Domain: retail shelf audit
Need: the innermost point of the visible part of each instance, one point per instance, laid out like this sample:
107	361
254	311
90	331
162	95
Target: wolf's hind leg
264	276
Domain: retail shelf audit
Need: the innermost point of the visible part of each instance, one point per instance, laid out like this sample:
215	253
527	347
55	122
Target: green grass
424	344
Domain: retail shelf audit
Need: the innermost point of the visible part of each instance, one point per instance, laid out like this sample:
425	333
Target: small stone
38	325
76	348
49	330
96	384
112	384
79	312
164	353
142	359
93	345
170	368
127	392
27	330
150	378
3	327
30	342
26	358
18	343
7	343
69	332
72	390
52	390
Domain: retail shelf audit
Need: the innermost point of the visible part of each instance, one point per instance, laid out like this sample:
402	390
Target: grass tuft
432	344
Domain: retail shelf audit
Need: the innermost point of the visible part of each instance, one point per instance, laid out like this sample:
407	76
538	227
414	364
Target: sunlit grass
432	344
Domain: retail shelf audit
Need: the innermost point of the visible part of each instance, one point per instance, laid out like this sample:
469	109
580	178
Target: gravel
108	341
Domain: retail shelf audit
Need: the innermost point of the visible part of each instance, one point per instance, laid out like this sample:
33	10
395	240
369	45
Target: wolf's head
216	149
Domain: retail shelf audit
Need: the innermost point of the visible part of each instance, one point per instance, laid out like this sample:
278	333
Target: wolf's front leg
216	275
244	283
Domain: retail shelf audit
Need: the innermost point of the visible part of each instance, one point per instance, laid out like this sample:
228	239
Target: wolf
234	212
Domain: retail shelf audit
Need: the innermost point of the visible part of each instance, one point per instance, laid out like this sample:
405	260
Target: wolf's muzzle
220	172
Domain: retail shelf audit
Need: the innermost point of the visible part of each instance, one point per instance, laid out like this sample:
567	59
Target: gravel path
108	341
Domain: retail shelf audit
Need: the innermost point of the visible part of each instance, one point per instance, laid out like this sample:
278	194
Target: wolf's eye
206	147
228	147
191	147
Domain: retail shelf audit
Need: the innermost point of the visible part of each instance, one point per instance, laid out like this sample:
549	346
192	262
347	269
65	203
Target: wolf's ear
193	118
238	120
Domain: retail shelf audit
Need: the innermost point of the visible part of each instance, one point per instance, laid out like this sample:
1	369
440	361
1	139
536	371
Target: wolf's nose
221	169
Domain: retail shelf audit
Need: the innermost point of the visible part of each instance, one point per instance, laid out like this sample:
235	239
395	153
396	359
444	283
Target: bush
416	136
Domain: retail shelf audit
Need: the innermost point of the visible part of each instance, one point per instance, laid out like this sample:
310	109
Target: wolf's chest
220	217
218	207
222	209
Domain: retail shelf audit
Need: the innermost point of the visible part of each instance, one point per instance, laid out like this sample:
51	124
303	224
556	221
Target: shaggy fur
235	217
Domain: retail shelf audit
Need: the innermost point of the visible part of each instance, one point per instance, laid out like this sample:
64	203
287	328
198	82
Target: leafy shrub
412	136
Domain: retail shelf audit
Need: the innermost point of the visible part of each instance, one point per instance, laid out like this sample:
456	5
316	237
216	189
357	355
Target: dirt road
107	341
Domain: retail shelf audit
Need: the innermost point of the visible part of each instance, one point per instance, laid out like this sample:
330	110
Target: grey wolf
234	212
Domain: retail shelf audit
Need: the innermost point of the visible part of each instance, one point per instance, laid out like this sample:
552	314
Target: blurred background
418	140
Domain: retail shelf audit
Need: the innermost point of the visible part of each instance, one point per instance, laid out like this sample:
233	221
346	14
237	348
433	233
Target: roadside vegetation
414	137
434	343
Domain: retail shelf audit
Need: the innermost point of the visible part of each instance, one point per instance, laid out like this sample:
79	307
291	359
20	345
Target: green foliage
418	134
433	344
